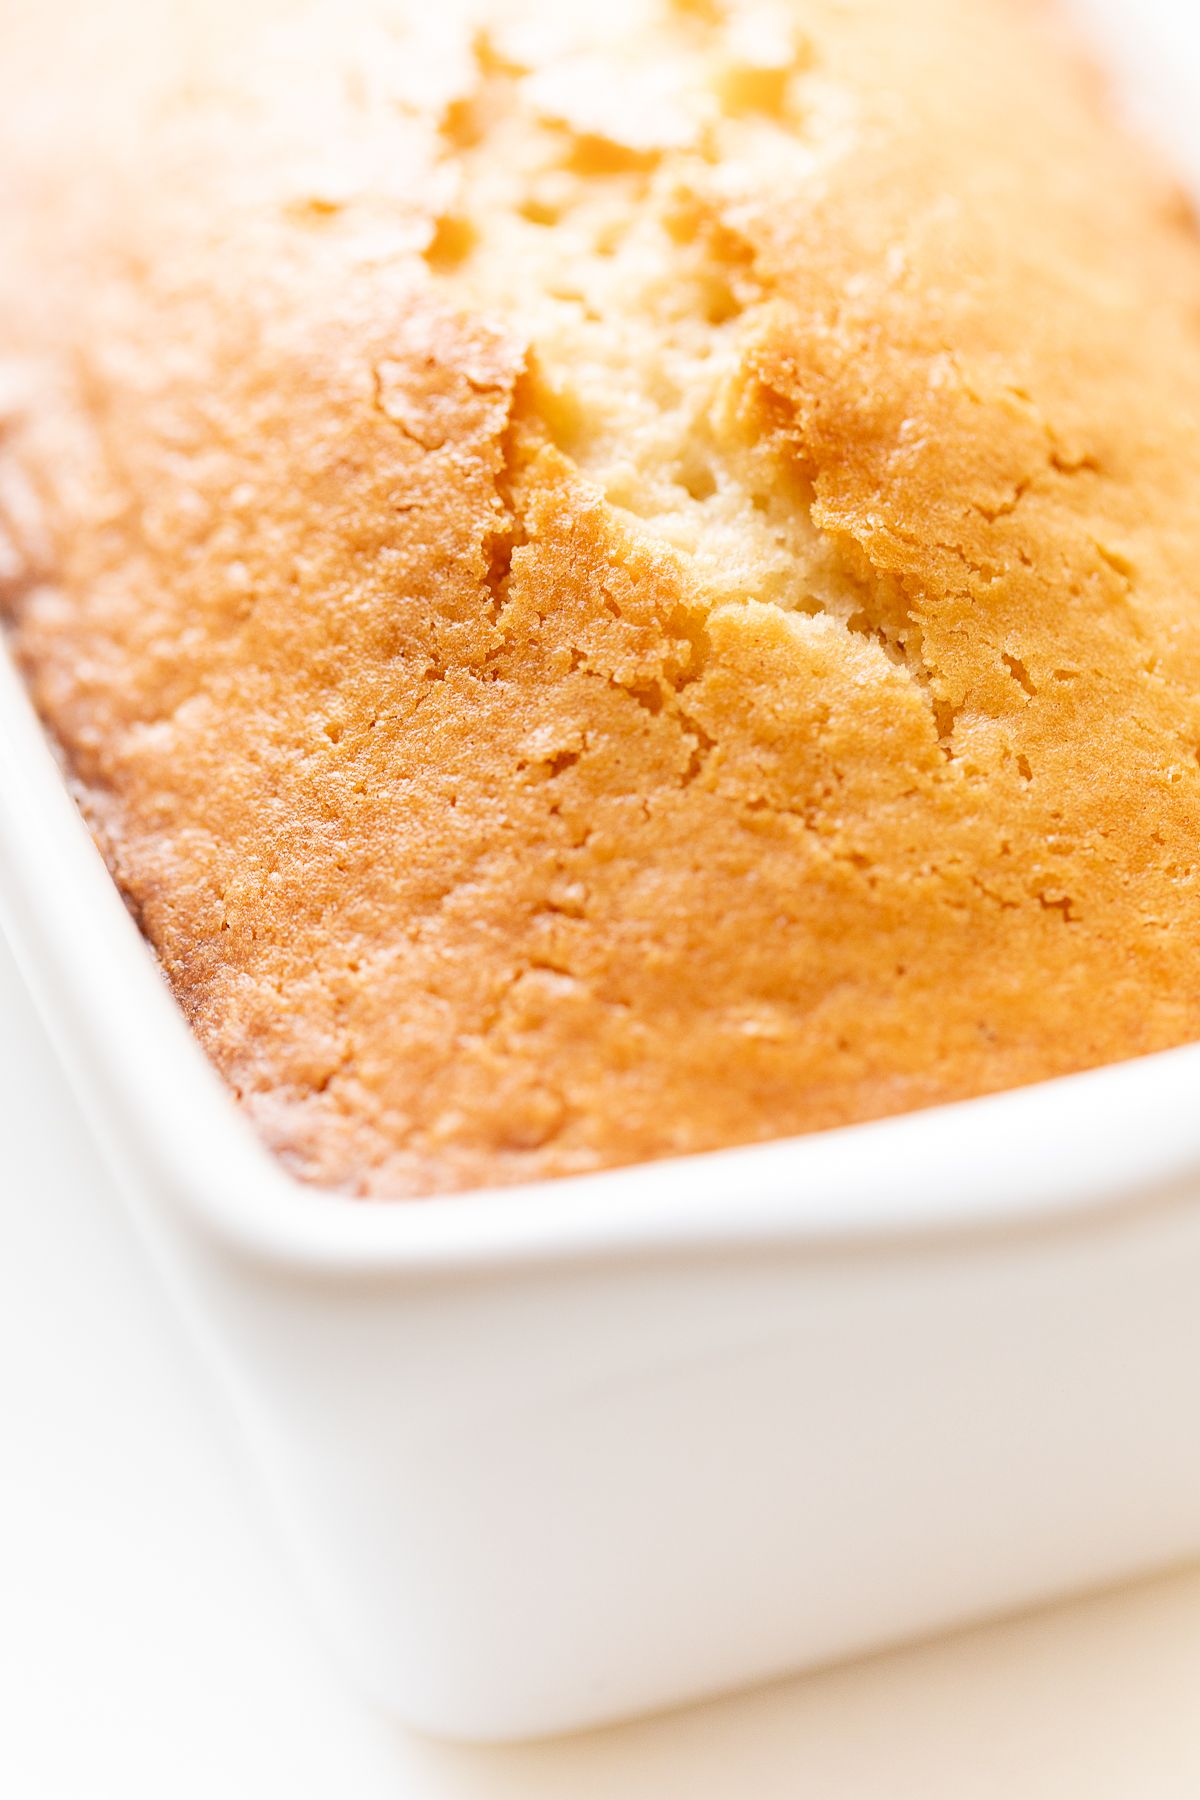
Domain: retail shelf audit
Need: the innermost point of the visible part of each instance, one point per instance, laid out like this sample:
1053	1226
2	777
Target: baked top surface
611	581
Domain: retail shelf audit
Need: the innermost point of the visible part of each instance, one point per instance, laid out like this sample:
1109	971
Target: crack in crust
647	306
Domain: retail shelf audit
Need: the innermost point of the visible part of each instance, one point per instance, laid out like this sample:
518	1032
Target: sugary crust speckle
482	832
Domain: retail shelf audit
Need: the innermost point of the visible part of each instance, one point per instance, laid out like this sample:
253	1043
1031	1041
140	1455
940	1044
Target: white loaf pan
551	1456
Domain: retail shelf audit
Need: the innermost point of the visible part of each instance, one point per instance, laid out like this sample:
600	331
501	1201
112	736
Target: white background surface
151	1648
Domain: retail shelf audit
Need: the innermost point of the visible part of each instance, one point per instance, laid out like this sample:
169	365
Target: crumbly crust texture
611	582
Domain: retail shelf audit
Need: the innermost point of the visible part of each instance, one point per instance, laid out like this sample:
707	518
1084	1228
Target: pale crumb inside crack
593	224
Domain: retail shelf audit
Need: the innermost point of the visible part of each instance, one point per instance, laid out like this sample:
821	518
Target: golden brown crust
482	835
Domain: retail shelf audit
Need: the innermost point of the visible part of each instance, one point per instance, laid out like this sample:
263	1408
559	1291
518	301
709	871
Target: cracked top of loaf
610	580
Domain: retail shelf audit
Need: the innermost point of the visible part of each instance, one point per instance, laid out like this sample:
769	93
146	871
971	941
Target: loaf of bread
614	579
